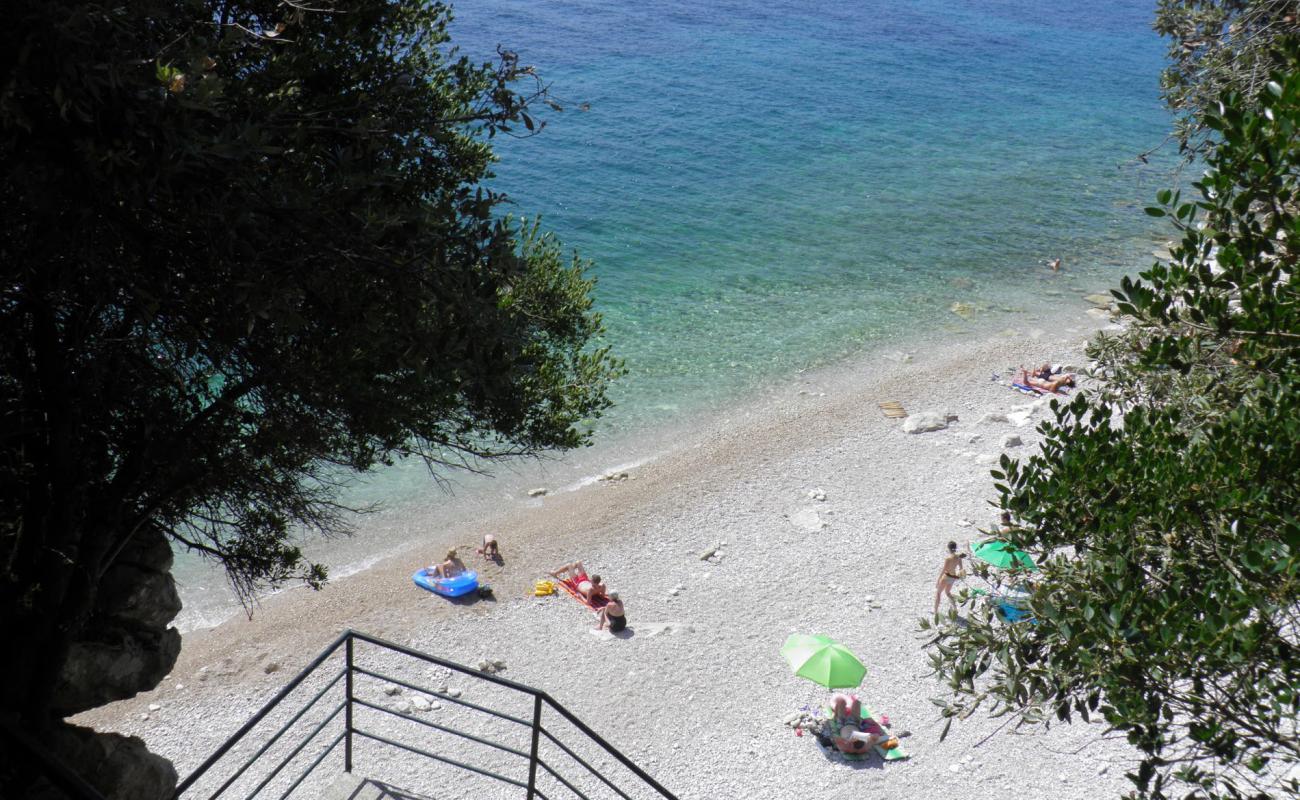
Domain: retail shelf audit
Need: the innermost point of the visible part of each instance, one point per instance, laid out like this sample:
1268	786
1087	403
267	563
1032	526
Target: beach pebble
954	767
964	523
180	686
155	707
993	416
271	666
421	704
1104	769
818	495
1012	440
974	437
391	689
144	717
453	692
538	492
925	422
402	707
807	519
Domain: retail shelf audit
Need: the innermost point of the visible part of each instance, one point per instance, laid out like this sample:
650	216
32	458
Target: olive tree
1165	506
245	249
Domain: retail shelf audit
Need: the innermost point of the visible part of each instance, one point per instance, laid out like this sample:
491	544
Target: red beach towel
570	585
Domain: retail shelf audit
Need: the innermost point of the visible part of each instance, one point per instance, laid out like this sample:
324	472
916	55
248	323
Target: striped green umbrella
823	661
1003	555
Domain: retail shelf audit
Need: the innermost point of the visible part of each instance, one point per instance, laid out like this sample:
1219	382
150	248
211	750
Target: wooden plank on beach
893	409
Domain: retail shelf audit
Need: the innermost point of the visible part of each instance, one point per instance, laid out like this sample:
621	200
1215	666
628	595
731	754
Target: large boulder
116	662
120	767
126	647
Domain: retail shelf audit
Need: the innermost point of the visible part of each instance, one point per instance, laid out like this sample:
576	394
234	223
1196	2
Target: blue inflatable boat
456	586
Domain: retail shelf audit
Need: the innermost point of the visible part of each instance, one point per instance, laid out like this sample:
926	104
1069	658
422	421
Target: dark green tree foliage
245	249
1166	506
1217	46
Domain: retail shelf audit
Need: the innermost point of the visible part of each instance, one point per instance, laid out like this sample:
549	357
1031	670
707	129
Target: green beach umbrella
823	661
1003	555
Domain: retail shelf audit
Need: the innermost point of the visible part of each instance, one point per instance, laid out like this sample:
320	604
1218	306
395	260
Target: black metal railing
550	758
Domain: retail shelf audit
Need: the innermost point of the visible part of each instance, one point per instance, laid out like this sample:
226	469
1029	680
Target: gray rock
391	689
119	663
154	707
993	417
126	647
925	422
538	492
402	707
420	704
1011	440
120	767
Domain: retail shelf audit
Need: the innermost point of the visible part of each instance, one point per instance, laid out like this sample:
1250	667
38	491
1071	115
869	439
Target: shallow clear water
766	188
762	188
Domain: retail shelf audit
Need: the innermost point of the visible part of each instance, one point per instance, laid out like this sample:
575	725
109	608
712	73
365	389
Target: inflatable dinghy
455	586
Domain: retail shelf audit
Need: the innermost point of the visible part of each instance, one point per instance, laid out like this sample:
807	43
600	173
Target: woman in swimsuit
1043	378
450	567
612	615
850	736
951	572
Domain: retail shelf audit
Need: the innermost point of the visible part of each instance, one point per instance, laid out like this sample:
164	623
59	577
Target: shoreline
858	566
438	511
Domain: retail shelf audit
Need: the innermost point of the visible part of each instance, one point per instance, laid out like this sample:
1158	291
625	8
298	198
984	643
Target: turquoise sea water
764	187
767	187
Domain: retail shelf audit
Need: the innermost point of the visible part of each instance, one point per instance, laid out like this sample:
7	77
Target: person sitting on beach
951	572
589	587
1043	378
449	568
612	615
489	548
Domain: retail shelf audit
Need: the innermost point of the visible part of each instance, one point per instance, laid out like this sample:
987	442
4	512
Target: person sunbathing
849	732
1043	378
589	587
449	568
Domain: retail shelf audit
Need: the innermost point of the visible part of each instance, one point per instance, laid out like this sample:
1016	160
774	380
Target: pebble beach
809	511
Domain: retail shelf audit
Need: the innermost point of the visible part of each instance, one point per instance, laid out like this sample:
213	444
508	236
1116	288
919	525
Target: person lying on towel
850	733
1043	378
589	586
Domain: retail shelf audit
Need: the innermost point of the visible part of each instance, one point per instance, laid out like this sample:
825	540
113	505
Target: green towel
896	754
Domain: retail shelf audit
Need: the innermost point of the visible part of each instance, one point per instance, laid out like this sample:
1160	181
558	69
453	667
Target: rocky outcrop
120	767
127	647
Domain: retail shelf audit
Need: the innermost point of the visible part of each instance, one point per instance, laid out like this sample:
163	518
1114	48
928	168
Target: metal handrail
266	709
283	728
350	729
